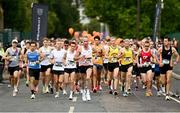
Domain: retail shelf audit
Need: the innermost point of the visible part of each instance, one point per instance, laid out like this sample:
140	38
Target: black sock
32	91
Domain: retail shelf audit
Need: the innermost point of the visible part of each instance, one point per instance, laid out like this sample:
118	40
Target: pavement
176	71
101	102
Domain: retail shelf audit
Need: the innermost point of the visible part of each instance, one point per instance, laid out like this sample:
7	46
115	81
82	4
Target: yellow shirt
127	58
113	54
98	55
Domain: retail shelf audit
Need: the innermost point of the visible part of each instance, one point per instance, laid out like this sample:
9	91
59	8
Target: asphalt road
101	102
177	69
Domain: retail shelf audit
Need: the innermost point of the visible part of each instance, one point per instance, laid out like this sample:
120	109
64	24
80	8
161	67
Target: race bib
70	62
105	60
127	59
165	61
14	58
88	60
153	65
32	63
114	60
59	64
146	64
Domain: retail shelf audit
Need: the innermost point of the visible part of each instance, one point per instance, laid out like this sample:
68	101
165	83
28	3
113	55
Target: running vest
97	55
113	52
166	55
14	54
145	58
33	57
58	56
70	62
105	60
127	57
46	52
88	54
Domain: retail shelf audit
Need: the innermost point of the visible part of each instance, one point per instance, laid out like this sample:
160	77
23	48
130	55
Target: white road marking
71	110
74	99
178	101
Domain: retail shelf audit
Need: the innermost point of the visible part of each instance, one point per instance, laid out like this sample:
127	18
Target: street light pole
161	3
138	19
157	24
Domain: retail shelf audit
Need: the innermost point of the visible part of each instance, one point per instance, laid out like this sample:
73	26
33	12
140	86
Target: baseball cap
14	41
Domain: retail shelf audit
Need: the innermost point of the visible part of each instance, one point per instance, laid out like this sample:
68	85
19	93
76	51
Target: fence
8	35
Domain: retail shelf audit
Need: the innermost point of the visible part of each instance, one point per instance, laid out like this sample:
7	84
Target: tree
18	15
121	16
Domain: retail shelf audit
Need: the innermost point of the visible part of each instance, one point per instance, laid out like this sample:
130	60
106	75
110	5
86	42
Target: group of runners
85	66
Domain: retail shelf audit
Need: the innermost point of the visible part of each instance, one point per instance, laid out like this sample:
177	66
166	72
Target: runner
70	68
12	56
166	64
58	59
113	67
84	55
126	66
157	70
136	70
105	58
146	57
25	68
32	60
98	54
51	83
45	52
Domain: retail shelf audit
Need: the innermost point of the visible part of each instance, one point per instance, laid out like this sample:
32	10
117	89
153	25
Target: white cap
14	40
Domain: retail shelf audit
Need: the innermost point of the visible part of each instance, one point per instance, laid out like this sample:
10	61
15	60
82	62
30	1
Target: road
101	102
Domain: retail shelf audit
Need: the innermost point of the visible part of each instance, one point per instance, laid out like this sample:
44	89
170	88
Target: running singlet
70	62
105	60
33	57
113	52
97	55
14	61
88	54
145	58
46	52
127	57
58	56
166	55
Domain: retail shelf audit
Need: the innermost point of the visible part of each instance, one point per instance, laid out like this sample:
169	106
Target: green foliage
61	15
121	16
94	25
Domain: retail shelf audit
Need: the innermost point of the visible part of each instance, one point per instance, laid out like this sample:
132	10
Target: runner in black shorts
32	60
166	64
12	57
70	68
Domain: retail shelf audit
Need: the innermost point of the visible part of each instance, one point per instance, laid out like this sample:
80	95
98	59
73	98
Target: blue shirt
33	57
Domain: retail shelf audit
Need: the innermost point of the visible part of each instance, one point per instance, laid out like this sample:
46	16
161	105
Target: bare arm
176	54
160	56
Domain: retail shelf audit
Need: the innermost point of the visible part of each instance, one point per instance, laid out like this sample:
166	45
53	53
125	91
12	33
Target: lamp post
157	25
161	3
138	19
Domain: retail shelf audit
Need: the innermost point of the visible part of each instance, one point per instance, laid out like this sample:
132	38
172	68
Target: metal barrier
8	35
